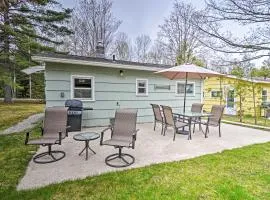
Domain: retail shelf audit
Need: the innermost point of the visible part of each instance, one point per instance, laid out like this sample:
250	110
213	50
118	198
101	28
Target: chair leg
155	125
162	128
39	158
206	131
219	130
174	133
164	131
194	128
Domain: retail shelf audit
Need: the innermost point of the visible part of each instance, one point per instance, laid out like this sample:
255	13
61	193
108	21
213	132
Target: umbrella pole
185	93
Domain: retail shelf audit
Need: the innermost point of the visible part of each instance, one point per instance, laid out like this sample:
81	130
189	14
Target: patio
150	148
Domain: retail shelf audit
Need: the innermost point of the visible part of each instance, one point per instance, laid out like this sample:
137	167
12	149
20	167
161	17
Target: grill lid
73	103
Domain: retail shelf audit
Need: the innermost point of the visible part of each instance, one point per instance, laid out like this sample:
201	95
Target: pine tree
26	28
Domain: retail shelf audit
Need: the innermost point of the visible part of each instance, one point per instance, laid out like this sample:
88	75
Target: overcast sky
141	16
144	16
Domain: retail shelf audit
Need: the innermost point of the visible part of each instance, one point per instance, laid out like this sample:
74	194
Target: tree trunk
8	89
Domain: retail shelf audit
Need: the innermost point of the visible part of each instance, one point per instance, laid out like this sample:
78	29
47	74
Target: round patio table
86	137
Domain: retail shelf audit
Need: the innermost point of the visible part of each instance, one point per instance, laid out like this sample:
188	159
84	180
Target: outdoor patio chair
196	107
158	115
171	121
215	119
54	130
123	135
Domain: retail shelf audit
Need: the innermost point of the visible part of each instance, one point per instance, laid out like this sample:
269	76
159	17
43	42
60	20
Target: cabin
108	84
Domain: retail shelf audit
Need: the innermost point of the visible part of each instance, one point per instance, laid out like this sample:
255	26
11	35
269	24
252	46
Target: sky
144	16
141	16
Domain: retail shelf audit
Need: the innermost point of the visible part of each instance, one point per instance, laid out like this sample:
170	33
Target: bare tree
141	48
122	48
179	35
251	14
92	21
157	54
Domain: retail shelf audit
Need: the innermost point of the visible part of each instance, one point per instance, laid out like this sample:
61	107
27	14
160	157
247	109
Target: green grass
248	120
234	174
10	114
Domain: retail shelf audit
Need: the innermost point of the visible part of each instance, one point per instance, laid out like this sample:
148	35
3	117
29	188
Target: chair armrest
67	127
102	134
134	138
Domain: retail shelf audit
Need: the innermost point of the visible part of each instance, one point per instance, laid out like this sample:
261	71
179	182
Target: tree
241	89
141	48
92	22
247	14
157	54
28	27
122	47
178	34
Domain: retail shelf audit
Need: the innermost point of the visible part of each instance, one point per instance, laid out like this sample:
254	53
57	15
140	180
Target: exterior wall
226	83
113	91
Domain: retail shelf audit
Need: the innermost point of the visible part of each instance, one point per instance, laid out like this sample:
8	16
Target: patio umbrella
186	71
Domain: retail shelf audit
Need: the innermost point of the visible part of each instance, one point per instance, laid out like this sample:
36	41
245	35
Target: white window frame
183	82
264	95
216	91
146	84
92	89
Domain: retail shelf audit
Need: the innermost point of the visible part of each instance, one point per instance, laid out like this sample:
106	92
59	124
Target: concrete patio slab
150	148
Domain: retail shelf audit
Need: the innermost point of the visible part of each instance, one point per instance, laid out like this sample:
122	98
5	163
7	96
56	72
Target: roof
34	69
254	80
96	61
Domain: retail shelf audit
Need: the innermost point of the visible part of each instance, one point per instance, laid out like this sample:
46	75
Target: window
215	93
141	87
82	87
264	95
180	88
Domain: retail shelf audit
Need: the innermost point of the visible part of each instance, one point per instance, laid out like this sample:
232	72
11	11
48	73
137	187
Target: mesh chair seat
115	142
179	124
44	141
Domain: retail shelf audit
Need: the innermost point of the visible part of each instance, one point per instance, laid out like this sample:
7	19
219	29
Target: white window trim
264	89
72	77
183	82
140	79
215	91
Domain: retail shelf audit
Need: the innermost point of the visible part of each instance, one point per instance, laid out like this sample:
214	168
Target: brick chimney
100	52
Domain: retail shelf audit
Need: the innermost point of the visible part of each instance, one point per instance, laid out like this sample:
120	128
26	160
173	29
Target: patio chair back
124	124
217	112
196	107
168	115
157	112
55	121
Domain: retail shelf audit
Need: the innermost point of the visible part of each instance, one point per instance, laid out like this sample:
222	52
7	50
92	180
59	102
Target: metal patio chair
54	130
123	134
158	115
171	121
215	119
196	107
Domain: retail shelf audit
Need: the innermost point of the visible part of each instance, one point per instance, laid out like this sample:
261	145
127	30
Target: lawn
11	114
234	174
248	120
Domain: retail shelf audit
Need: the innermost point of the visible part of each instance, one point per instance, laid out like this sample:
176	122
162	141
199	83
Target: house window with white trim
180	88
264	95
82	87
216	93
141	87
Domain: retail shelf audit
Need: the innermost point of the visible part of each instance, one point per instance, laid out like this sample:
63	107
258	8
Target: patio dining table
189	116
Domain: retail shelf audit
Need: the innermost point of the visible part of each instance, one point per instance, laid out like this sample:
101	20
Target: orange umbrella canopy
188	71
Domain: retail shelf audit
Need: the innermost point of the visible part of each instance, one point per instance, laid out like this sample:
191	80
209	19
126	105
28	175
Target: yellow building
229	90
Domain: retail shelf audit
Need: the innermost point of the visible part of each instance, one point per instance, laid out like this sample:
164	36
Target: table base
86	149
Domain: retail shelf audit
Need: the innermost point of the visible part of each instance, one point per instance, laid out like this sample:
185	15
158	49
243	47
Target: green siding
111	88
